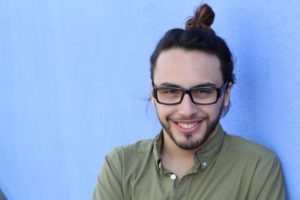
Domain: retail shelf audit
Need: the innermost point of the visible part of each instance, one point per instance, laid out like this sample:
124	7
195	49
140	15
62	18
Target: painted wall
74	83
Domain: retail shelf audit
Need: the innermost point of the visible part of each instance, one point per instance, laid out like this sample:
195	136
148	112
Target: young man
192	157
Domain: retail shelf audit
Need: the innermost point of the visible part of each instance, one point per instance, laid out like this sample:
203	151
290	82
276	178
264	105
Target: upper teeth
187	125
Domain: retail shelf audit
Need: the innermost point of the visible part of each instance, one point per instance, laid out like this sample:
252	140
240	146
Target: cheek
164	111
213	111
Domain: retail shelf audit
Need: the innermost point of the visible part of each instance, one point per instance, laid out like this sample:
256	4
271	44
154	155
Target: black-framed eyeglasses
203	95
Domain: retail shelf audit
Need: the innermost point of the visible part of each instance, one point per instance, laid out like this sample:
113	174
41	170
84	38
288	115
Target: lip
187	126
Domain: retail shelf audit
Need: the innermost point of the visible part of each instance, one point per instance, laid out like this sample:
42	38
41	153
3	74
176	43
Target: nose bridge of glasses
187	93
187	107
187	96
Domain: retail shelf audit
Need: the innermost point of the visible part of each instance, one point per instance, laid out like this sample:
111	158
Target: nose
187	108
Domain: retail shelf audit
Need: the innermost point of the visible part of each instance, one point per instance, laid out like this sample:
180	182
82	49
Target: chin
194	140
188	141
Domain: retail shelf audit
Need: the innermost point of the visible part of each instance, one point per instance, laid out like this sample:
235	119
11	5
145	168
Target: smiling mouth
187	127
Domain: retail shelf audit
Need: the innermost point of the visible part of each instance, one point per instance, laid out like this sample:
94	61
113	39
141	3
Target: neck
178	160
175	159
173	151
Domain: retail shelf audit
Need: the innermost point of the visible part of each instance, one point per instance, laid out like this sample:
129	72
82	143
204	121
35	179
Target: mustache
182	118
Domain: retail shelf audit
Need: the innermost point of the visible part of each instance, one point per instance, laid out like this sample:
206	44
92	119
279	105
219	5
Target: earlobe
153	101
227	95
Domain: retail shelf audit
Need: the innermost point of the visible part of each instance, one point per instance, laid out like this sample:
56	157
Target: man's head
192	74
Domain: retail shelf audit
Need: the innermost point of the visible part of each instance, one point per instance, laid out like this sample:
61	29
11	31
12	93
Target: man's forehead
178	59
180	54
175	85
187	68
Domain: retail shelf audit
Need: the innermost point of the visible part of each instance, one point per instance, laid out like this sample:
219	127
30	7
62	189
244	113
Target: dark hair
197	36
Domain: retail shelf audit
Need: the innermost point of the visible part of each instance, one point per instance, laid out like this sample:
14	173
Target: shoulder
128	159
258	165
244	147
136	149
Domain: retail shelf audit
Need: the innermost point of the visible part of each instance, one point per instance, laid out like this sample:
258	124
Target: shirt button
173	177
204	164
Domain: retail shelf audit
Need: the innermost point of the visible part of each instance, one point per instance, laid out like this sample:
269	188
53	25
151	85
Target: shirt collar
203	157
158	140
206	155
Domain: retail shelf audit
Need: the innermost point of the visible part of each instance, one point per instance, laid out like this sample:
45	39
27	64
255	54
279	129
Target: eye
170	92
203	92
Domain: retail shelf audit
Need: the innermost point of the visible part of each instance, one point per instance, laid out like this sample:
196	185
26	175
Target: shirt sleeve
109	184
268	181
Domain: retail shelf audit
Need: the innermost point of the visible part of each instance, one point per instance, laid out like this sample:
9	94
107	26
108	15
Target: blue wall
74	83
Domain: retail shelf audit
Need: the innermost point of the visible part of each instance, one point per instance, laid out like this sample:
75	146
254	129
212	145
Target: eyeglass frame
220	92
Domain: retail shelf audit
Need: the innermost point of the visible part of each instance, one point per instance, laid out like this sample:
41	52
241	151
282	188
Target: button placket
173	177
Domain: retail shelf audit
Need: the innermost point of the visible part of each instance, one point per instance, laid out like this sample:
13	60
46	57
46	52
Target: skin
187	127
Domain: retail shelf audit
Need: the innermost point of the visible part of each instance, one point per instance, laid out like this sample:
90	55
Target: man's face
188	125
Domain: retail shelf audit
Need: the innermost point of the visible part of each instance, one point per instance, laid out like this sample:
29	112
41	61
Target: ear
153	100
227	94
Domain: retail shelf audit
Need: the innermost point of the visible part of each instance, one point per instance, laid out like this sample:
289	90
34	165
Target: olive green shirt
229	167
2	197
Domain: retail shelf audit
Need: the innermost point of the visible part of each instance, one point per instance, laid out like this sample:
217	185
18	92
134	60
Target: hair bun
203	18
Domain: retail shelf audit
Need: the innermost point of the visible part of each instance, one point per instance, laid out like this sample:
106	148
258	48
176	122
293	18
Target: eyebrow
206	85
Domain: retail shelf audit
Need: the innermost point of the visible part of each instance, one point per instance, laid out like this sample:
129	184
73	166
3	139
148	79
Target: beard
192	145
